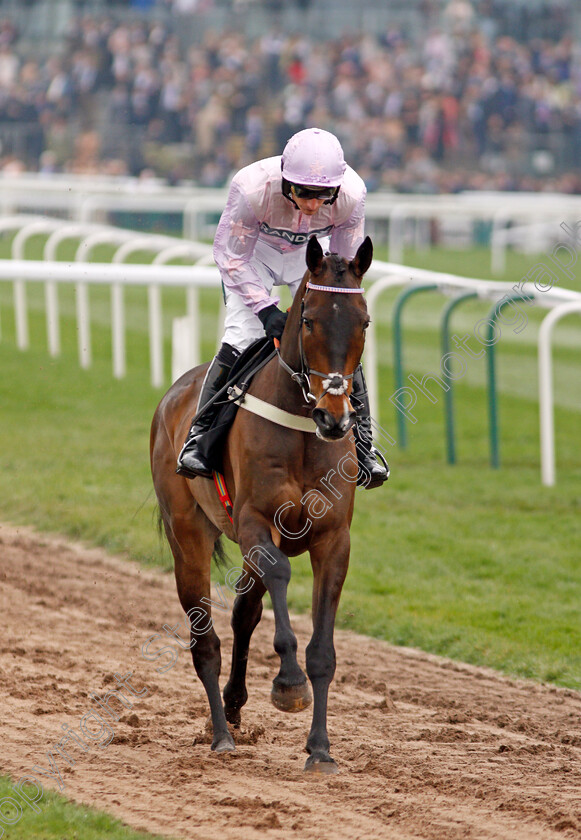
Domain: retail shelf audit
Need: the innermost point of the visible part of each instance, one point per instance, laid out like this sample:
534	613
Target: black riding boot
371	472
191	462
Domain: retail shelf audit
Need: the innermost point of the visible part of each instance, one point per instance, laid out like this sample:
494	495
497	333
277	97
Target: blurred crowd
467	106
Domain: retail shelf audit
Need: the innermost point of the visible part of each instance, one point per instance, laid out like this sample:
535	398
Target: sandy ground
426	748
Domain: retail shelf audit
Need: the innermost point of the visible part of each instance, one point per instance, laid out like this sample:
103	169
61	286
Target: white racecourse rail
560	301
88	198
127	242
113	275
154	276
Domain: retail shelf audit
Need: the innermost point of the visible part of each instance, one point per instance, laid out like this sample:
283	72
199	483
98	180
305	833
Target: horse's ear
362	259
314	255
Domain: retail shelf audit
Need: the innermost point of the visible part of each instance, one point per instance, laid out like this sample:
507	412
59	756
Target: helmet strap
287	192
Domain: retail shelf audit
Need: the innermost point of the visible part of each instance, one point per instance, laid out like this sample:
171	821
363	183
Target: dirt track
426	748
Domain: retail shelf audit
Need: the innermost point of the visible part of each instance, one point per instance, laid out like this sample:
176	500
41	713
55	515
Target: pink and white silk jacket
258	214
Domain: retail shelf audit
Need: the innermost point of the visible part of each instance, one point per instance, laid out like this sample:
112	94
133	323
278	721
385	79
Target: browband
334	289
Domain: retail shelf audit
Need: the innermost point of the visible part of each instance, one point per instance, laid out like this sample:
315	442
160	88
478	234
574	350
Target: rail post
449	394
401	299
491	374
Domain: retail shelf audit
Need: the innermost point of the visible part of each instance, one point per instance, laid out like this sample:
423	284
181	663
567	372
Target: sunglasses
301	191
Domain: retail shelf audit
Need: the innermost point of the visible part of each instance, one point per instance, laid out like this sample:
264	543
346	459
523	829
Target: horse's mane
337	272
338	266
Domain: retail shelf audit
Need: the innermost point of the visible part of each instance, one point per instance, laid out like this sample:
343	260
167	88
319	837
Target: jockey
260	243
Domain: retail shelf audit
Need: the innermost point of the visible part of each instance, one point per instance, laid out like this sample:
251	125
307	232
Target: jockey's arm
348	235
234	244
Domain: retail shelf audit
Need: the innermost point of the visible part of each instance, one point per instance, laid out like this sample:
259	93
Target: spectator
469	103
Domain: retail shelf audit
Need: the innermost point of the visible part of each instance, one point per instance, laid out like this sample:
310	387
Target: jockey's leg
371	472
191	462
241	328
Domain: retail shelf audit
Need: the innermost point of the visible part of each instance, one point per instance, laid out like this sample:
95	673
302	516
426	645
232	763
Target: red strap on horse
223	494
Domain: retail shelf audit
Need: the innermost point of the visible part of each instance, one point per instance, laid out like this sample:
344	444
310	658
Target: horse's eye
366	324
308	324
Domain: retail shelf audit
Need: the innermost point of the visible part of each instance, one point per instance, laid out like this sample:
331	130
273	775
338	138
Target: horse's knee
246	612
206	654
279	573
320	660
270	562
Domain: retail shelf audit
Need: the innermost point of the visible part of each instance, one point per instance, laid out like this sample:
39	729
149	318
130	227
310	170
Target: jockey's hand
273	320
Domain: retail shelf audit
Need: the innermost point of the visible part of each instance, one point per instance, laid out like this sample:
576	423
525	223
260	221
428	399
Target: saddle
249	362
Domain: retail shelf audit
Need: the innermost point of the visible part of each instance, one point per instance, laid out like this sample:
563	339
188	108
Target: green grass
60	819
477	564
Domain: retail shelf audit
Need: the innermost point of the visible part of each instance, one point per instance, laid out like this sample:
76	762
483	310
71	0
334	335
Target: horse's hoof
234	717
319	764
292	698
225	744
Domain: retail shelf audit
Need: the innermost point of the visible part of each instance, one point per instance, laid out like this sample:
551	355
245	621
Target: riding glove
273	320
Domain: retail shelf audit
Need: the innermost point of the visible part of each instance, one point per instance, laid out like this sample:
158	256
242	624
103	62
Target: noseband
333	383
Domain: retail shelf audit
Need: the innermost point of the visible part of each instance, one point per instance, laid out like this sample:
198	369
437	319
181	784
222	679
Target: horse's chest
304	511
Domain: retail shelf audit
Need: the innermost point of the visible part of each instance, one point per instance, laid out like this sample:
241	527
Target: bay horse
292	491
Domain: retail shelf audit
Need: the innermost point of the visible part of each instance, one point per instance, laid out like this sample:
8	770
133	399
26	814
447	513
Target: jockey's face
309	206
309	199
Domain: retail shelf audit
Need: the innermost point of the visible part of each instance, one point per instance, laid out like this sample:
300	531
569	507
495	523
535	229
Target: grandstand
452	94
523	19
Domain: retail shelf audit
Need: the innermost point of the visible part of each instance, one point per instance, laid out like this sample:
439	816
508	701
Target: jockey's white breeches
241	325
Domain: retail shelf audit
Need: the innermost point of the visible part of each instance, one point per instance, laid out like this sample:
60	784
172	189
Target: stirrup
378	454
372	470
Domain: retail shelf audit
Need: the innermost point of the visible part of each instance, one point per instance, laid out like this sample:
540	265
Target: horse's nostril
350	421
323	419
329	426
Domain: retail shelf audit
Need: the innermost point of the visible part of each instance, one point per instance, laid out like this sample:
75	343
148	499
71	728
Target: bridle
333	383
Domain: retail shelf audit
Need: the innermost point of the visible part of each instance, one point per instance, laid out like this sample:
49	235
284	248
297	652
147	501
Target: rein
333	383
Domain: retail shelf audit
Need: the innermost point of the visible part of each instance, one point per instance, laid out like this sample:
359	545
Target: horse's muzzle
330	427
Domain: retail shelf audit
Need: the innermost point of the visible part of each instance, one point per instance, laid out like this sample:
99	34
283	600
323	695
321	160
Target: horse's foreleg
191	543
246	614
290	690
206	658
330	560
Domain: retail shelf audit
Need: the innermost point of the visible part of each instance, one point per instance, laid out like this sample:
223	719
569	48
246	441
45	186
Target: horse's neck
274	383
289	348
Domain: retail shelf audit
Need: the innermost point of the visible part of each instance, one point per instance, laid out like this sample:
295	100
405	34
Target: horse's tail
219	555
159	523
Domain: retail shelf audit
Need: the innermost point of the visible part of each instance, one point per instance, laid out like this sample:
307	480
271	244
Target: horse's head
333	320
